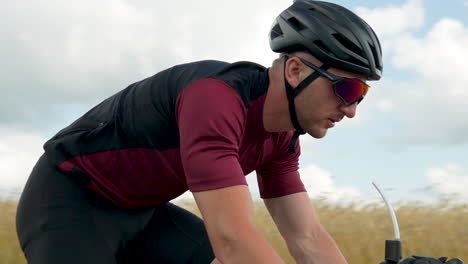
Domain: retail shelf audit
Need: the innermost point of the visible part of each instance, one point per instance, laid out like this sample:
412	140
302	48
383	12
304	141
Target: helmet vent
375	53
323	47
298	26
357	62
276	31
348	44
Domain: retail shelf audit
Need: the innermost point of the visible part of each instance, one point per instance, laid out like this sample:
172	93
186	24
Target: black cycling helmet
331	33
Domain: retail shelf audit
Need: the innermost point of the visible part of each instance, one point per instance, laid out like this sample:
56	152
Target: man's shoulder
249	79
241	67
221	67
202	63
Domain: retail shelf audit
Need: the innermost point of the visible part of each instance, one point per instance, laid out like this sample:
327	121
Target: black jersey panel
143	114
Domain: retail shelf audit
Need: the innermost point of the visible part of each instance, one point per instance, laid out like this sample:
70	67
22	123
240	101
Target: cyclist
101	192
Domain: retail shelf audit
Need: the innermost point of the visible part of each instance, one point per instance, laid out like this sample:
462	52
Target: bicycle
393	248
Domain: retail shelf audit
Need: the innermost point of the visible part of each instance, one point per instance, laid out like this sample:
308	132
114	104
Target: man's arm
229	219
307	240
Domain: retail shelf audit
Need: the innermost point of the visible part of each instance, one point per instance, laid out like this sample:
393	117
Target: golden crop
436	230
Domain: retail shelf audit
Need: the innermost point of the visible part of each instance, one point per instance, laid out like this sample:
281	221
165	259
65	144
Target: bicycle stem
392	247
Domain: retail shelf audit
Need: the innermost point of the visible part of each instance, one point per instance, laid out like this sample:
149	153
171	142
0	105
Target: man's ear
295	71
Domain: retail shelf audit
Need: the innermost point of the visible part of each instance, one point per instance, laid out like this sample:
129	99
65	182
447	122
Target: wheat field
360	231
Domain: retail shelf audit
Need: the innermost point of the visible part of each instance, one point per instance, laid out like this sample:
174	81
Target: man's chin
318	133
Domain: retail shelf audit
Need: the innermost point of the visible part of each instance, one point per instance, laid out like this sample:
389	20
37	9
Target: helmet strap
291	94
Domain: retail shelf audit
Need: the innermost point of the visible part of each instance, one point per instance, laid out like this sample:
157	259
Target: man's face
318	108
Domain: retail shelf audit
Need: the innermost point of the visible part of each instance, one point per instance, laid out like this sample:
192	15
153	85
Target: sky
410	134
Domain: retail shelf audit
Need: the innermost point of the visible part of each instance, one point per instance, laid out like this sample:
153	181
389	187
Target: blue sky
410	132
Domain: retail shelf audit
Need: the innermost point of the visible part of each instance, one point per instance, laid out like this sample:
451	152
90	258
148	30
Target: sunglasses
349	90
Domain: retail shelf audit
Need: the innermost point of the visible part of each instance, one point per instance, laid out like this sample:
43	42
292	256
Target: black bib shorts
60	221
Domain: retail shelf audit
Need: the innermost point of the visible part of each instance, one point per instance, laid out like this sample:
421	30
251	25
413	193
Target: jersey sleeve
211	118
280	176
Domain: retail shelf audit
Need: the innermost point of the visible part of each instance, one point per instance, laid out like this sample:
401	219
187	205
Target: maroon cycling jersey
196	126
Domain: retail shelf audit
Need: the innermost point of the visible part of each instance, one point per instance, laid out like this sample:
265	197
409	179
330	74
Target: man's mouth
333	121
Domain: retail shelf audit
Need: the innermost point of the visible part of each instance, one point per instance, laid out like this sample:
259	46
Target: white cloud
320	185
309	146
386	105
440	55
19	151
466	3
429	99
432	105
83	52
393	20
450	181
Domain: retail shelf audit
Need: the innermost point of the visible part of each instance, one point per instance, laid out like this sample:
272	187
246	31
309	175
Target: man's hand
415	259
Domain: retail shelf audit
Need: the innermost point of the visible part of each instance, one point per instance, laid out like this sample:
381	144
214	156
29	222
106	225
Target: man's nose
350	110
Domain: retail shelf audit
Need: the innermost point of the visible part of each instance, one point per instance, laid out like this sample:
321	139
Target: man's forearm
229	219
251	248
306	238
315	249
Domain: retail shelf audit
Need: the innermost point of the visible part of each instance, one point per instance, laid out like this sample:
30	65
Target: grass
10	252
436	230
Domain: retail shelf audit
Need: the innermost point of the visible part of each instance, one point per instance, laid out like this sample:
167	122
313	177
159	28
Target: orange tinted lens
351	90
